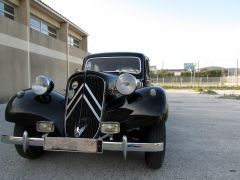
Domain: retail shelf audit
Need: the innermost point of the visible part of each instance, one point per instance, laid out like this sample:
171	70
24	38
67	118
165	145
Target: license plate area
72	144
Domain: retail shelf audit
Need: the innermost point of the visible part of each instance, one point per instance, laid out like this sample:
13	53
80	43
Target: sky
169	32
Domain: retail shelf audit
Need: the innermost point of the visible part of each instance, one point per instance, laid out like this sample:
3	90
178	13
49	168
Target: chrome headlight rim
126	84
42	85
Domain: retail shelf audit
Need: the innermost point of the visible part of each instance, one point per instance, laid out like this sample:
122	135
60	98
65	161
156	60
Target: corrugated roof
41	3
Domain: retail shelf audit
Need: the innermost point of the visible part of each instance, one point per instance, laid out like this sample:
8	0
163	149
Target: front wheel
31	152
156	134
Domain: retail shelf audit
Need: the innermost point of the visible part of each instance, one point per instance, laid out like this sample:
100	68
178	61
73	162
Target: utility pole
162	72
198	74
237	72
198	66
190	70
191	79
194	76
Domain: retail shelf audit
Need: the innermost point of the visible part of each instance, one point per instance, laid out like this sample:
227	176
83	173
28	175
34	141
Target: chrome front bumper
81	145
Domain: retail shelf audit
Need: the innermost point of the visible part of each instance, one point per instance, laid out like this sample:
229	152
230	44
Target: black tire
156	134
32	152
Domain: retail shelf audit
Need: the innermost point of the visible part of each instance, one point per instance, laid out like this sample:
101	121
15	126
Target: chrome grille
84	109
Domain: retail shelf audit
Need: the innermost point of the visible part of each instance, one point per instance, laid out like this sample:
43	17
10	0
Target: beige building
35	39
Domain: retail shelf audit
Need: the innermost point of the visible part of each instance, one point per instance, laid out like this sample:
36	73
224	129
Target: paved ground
203	142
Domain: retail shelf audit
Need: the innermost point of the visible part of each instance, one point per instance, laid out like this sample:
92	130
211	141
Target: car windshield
114	64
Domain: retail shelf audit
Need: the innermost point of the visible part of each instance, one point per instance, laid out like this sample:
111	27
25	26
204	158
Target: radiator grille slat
85	109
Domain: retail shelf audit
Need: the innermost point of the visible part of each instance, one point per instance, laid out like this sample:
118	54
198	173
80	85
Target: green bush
198	89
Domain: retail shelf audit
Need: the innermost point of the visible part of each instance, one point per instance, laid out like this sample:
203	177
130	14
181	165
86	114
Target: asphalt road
203	142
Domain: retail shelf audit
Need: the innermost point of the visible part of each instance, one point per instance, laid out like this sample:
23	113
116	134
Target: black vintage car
109	106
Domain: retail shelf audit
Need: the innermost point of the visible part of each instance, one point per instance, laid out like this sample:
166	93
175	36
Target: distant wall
178	81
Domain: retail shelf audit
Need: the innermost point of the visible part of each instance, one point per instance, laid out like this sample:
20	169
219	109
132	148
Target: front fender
145	107
29	108
148	101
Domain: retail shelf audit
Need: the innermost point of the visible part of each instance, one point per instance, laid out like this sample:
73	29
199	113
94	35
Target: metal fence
177	81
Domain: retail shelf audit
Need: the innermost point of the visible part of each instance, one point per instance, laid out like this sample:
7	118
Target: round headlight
126	84
42	85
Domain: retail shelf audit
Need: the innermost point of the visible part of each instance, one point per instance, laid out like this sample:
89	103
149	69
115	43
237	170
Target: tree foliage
165	73
210	73
204	73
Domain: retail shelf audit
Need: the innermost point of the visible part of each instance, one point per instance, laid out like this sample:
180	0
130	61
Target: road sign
189	66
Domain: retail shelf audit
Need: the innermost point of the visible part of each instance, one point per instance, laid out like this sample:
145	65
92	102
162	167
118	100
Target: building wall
26	53
54	68
13	28
13	72
13	60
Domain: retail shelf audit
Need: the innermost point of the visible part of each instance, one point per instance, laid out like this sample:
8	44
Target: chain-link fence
178	81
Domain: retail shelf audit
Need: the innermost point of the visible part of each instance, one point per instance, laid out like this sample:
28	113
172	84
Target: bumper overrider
80	144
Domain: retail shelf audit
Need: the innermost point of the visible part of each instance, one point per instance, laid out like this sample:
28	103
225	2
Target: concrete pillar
84	43
63	32
63	36
23	16
23	12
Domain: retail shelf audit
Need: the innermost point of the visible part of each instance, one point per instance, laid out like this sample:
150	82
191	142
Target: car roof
110	54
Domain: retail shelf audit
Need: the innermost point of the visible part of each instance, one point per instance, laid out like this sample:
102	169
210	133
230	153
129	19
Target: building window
35	24
43	27
73	42
6	10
